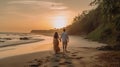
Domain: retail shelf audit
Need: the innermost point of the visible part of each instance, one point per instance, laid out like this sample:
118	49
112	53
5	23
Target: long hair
56	35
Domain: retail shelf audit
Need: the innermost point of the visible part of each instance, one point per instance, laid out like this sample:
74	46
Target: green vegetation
100	24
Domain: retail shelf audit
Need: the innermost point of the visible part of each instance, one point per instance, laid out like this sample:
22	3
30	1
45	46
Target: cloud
58	7
28	8
43	4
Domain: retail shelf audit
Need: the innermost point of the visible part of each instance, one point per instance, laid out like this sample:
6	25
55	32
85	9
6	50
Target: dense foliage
102	23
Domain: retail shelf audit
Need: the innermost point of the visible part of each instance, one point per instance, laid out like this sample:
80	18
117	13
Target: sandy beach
81	53
59	33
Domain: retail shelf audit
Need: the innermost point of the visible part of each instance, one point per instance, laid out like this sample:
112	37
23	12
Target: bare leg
66	47
63	47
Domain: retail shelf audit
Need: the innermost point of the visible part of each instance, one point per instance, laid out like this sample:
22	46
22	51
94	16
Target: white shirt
64	37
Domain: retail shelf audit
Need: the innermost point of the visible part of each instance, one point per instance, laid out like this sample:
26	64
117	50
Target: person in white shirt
65	40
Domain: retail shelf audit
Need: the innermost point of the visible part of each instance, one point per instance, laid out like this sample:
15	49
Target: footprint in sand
37	60
45	66
67	62
75	52
64	63
46	60
78	58
34	65
56	60
48	57
55	66
74	55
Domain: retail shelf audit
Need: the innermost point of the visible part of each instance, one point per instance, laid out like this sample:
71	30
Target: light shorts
64	42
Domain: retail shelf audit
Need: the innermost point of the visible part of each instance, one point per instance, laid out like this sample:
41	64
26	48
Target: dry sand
82	53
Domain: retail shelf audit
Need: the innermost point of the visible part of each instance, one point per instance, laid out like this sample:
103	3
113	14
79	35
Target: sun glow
60	21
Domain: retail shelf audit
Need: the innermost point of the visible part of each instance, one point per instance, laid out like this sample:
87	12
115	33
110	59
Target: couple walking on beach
64	38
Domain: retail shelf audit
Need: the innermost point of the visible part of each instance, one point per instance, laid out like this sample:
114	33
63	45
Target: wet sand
81	53
25	48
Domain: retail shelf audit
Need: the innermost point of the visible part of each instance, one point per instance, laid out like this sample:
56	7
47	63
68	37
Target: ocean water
11	39
11	45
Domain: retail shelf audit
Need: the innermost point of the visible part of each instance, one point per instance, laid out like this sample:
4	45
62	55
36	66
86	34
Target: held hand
60	40
67	40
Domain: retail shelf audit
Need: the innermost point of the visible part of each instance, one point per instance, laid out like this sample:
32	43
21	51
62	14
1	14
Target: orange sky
26	15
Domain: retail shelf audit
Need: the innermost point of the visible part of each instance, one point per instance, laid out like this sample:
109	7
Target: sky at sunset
26	15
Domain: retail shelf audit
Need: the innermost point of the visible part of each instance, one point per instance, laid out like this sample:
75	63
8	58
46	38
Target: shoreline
37	49
25	48
30	53
22	43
